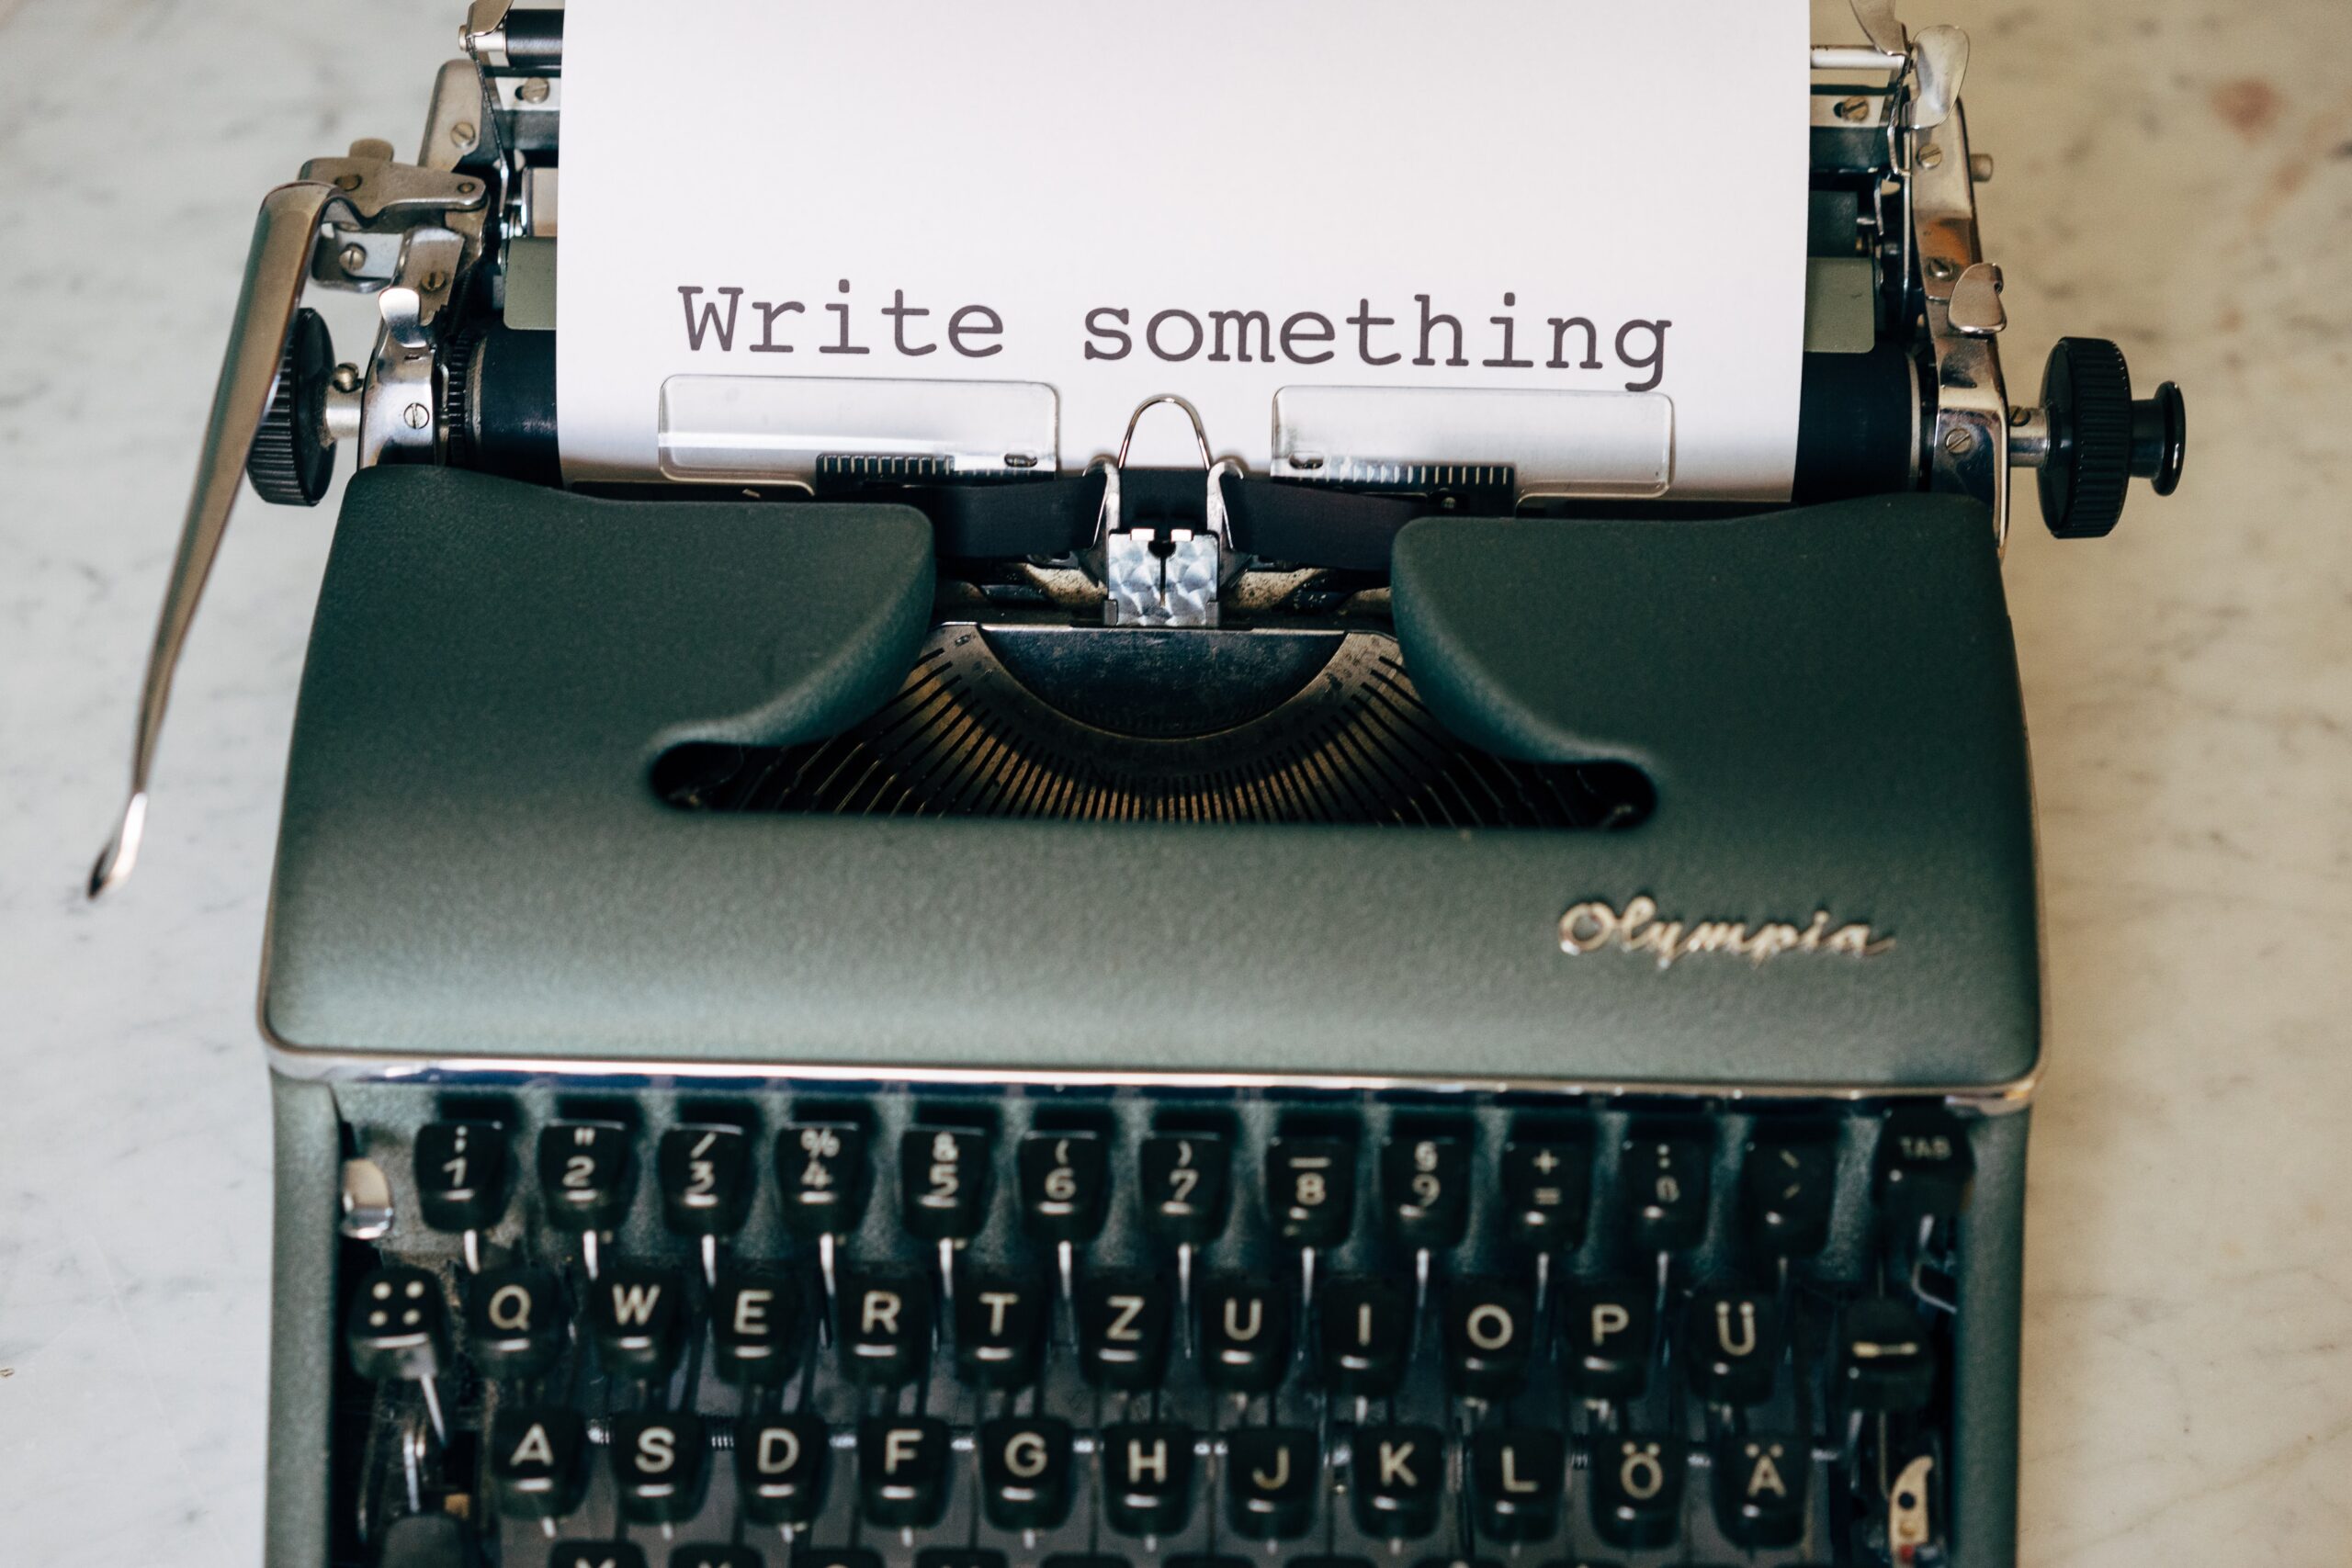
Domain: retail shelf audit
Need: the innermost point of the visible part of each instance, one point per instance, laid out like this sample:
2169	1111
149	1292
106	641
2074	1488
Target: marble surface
2175	173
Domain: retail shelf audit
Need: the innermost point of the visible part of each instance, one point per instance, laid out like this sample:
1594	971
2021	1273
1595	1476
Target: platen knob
2100	439
292	457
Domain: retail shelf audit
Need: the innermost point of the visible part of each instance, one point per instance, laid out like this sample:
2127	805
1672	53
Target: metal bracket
1976	310
1149	581
1878	24
1968	449
483	33
1939	62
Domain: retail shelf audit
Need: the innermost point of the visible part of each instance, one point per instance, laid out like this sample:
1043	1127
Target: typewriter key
1000	1331
636	1316
1785	1188
755	1323
595	1554
537	1461
1272	1475
1517	1476
399	1326
1885	1361
1662	1186
1245	1334
1636	1490
1122	1330
1147	1478
1490	1333
705	1175
661	1467
1025	1472
835	1557
1760	1488
426	1541
1425	1188
781	1464
717	1557
1730	1344
886	1327
1184	1179
903	1471
1925	1166
514	1322
1607	1329
1065	1186
1367	1333
1311	1189
826	1177
1400	1474
587	1174
1547	1190
461	1175
944	1178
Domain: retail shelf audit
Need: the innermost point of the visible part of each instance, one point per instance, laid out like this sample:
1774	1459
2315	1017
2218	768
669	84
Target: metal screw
462	133
436	281
346	377
346	182
1941	270
1853	108
1931	157
2020	416
352	258
533	90
417	415
1980	167
1956	440
467	187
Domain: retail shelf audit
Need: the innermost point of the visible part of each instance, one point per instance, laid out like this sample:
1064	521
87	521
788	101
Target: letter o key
1489	1327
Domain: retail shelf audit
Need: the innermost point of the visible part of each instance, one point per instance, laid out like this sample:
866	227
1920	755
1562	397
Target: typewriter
1144	1016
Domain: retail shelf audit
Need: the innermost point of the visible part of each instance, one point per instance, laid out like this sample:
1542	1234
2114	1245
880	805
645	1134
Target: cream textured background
2175	173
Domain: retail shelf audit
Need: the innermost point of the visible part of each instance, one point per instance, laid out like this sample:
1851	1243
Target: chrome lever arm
279	260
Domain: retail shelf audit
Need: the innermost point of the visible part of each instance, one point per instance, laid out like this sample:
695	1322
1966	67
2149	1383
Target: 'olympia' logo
1595	925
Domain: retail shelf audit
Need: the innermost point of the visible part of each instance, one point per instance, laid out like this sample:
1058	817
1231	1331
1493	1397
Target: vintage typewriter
1136	1016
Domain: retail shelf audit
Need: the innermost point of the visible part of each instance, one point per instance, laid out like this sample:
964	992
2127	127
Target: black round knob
292	457
2100	437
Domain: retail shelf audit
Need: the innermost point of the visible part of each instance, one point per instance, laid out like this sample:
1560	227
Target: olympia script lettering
1594	926
719	320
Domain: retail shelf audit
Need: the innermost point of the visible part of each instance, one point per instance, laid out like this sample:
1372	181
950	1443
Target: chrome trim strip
336	1065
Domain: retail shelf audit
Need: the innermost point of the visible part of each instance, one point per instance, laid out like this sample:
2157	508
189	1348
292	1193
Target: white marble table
2175	173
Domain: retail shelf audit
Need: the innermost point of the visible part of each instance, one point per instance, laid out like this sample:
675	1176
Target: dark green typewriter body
825	1066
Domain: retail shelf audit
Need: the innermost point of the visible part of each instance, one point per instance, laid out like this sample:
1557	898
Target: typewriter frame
363	1016
1947	869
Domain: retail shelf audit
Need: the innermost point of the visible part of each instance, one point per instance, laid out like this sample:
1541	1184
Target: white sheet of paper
1220	200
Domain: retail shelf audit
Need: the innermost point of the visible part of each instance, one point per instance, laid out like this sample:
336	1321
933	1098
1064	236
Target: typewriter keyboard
1117	1329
